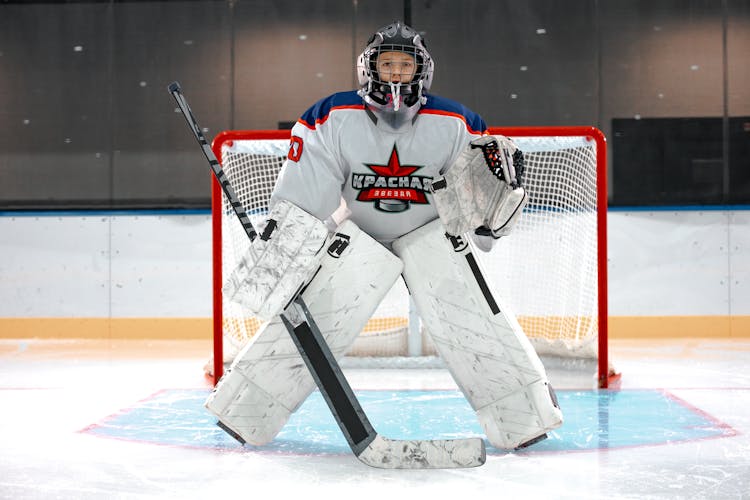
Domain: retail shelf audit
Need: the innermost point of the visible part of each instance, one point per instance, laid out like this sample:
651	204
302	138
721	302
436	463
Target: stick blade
385	453
174	87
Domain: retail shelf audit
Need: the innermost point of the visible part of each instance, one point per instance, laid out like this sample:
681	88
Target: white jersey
338	150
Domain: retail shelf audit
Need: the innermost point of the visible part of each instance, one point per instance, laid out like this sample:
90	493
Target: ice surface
55	395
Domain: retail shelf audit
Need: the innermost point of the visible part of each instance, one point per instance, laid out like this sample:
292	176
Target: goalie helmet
379	91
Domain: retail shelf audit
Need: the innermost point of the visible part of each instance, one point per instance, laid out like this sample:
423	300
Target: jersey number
295	148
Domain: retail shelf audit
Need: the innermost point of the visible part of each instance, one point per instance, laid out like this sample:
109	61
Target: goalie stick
368	446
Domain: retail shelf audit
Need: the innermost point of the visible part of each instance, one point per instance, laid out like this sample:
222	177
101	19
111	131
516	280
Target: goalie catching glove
482	190
278	263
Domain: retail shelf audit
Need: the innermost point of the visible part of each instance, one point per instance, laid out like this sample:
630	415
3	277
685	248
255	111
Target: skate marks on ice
594	420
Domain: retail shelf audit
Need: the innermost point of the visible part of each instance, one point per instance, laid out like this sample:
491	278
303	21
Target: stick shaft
306	335
329	378
221	177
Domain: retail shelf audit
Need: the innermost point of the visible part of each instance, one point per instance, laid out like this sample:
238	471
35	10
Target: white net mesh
546	270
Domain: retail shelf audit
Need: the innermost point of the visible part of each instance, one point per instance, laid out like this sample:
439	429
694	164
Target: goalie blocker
479	338
279	262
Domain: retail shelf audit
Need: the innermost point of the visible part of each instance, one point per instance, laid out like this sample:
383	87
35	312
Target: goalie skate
480	340
268	379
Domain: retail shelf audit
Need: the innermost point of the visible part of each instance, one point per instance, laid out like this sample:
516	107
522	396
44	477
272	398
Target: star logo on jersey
393	187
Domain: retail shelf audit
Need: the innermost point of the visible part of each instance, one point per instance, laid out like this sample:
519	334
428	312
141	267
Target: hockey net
551	270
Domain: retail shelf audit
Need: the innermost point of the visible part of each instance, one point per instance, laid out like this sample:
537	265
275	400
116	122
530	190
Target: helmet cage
395	38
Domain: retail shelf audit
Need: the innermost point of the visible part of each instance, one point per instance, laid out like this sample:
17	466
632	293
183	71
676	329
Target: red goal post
575	153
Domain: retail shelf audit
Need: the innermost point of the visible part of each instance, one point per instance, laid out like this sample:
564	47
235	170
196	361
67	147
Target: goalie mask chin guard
395	96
